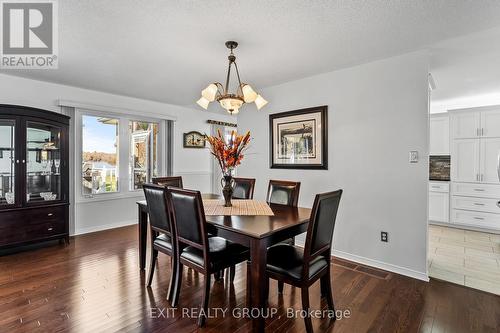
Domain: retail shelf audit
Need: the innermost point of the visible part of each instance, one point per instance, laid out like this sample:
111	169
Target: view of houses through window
143	153
101	148
99	155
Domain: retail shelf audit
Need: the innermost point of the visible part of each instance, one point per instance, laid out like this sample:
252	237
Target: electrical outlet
384	236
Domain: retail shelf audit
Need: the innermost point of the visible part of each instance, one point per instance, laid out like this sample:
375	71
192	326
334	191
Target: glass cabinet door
43	163
7	165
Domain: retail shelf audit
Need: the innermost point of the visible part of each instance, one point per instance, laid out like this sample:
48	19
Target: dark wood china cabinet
33	176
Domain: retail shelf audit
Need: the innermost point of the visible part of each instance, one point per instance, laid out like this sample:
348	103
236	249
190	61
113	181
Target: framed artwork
299	139
194	139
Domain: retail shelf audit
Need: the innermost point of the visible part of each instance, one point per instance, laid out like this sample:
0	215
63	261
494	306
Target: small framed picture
194	139
299	139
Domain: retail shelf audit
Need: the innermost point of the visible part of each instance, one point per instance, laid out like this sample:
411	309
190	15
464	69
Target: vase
227	183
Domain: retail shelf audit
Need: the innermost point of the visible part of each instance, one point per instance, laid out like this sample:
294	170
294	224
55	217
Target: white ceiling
466	71
169	50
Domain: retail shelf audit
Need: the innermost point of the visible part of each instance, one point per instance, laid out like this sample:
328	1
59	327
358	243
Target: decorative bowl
51	196
45	194
9	196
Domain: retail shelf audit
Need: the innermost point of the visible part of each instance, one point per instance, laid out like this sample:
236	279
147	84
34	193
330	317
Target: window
100	139
143	165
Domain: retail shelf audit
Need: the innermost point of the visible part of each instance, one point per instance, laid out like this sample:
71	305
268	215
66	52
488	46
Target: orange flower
228	154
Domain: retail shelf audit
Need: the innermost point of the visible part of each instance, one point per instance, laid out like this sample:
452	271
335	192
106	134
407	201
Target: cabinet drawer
476	219
20	218
476	190
42	215
486	205
25	225
439	187
31	232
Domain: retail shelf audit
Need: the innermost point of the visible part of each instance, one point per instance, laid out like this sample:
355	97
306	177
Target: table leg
143	233
258	259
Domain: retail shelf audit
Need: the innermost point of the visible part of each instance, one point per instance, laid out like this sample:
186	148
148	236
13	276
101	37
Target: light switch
413	156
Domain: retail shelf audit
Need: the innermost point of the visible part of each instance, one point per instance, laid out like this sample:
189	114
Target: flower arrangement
229	154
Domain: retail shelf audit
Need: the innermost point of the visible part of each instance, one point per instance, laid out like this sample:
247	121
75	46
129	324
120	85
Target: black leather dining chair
283	192
243	188
206	255
160	230
303	267
174	181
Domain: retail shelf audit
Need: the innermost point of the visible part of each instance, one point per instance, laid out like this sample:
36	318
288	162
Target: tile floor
465	257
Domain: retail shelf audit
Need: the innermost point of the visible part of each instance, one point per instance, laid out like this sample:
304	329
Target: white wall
377	113
193	164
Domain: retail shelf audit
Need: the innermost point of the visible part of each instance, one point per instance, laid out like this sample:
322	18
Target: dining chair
283	192
175	181
206	255
243	188
303	267
160	230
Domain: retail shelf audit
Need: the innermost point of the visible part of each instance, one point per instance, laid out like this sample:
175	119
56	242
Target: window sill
110	196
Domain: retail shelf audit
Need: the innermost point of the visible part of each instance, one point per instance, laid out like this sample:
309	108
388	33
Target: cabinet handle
478	204
478	218
435	186
479	190
50	214
50	229
498	204
17	161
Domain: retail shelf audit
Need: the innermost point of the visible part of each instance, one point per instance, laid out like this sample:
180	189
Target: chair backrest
174	181
321	225
188	217
283	192
156	197
243	188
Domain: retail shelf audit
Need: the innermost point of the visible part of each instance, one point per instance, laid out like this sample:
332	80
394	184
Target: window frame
124	150
159	149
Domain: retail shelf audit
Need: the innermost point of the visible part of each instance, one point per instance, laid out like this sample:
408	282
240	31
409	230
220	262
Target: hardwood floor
94	285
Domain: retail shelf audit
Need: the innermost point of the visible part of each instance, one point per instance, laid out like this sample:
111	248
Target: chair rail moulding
115	109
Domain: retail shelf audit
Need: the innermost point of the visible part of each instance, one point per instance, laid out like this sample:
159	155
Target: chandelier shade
232	102
260	102
203	102
210	92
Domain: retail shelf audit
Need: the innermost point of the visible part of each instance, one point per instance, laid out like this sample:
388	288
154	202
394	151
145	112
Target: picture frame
194	139
298	139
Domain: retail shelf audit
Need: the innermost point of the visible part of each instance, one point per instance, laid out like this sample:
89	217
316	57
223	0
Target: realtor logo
29	34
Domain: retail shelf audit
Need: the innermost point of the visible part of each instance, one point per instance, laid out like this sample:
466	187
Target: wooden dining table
255	232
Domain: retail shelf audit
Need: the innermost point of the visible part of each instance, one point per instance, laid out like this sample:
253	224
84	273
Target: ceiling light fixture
231	102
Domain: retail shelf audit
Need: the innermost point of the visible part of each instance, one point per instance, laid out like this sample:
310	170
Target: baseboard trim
381	265
88	230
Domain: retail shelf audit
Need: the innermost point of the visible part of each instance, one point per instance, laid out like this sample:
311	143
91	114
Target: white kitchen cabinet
465	160
439	134
475	163
476	190
490	123
465	125
490	160
439	206
476	219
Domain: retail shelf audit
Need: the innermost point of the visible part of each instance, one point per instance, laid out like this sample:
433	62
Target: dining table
257	232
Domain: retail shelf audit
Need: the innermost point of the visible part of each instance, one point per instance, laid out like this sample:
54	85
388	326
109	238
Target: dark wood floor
94	285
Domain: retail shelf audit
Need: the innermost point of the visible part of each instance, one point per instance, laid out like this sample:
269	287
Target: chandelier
232	102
